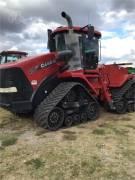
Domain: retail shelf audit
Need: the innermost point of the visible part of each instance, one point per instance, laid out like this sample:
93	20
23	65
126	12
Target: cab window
2	59
60	42
12	58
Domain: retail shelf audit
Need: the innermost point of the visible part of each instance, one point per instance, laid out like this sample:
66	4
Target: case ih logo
42	66
48	63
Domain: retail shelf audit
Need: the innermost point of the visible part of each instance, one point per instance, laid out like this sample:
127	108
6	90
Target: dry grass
100	150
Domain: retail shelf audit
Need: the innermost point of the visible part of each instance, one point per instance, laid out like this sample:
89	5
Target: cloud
118	47
23	23
108	34
11	21
128	5
118	50
22	20
49	10
38	30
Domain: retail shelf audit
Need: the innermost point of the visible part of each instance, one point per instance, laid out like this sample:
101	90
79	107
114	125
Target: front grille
14	77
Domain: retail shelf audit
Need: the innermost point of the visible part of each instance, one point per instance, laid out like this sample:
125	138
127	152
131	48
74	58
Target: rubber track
117	94
47	105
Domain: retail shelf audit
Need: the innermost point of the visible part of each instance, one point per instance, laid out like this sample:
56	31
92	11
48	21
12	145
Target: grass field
99	150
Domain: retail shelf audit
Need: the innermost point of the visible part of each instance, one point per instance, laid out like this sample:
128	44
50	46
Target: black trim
21	107
15	77
18	107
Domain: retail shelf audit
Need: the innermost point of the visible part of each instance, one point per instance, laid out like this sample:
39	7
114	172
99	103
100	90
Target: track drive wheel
55	119
92	111
121	107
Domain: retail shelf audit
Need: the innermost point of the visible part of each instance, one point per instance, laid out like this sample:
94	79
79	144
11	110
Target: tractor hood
28	61
42	60
36	68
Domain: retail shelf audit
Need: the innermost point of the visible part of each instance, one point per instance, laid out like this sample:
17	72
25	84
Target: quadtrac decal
42	66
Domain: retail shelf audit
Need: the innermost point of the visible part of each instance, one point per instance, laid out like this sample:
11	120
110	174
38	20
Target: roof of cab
13	52
76	29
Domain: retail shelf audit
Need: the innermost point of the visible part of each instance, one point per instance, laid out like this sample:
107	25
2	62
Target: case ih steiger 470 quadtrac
66	85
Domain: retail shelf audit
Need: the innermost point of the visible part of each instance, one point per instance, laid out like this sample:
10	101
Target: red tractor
66	86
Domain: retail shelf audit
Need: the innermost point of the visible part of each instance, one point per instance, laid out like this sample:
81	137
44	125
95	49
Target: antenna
89	17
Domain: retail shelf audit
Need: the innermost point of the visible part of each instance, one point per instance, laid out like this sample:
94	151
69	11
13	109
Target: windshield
61	41
91	46
10	58
90	51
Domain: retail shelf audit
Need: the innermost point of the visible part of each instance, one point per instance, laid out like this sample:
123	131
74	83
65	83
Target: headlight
8	90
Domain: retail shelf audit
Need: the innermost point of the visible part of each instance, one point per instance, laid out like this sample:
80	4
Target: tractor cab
82	41
11	56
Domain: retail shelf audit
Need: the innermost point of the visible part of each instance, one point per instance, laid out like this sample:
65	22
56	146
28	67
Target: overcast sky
23	24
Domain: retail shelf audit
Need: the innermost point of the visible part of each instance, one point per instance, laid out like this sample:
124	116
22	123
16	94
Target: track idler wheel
121	107
92	111
55	119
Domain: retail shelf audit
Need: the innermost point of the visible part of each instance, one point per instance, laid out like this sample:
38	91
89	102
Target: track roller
121	107
92	111
83	117
68	121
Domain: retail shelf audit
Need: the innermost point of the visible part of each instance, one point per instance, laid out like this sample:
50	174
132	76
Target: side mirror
90	31
51	41
49	32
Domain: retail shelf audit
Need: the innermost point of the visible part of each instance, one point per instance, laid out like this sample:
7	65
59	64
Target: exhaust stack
68	18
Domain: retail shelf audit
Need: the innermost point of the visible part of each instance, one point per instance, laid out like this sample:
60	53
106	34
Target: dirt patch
69	137
68	132
41	132
99	131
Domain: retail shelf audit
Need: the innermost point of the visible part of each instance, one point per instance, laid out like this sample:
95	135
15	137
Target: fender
45	87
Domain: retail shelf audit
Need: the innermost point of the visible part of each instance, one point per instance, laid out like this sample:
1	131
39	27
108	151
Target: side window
11	58
3	59
61	42
80	43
